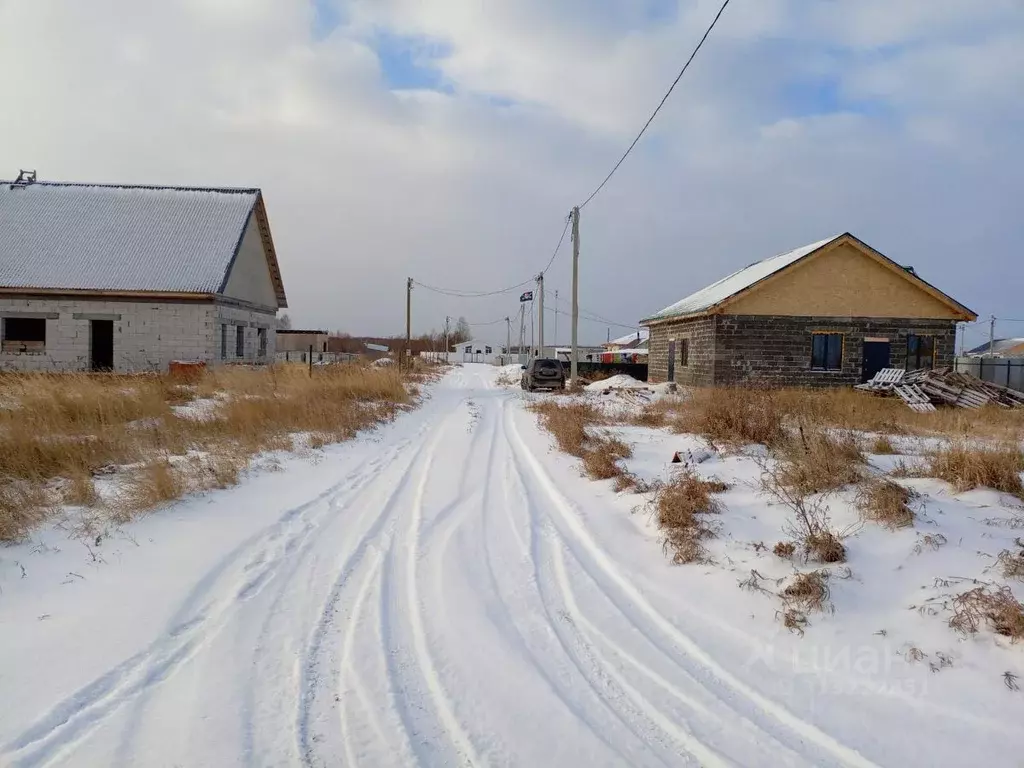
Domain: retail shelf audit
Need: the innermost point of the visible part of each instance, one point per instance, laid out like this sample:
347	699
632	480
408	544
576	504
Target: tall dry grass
71	426
575	427
742	415
965	466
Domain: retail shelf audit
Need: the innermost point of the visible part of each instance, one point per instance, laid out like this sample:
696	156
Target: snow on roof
643	334
120	238
718	292
999	347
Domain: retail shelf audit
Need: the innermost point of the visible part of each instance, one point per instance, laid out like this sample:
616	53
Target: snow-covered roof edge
711	296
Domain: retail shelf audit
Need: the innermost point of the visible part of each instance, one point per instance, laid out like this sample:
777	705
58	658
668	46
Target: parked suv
540	373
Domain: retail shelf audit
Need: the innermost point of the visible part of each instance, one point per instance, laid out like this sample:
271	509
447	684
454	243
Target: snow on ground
448	590
619	381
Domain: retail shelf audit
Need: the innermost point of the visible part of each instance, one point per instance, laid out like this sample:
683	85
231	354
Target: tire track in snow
539	531
443	707
311	676
606	568
199	619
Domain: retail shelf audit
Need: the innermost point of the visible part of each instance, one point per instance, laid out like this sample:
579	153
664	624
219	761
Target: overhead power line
471	294
658	108
557	247
492	322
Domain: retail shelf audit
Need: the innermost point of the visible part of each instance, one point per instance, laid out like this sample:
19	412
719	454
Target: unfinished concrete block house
129	278
830	313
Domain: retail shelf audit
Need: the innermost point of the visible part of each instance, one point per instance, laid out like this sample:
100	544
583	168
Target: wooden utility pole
574	364
508	338
408	319
540	317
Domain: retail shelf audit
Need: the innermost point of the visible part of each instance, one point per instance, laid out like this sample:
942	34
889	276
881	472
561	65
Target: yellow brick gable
840	281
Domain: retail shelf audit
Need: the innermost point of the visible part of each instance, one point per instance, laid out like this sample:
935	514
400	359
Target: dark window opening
224	342
24	334
240	341
920	352
261	335
684	352
827	352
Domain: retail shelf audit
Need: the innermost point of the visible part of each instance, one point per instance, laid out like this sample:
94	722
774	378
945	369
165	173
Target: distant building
635	340
301	340
999	348
831	313
129	277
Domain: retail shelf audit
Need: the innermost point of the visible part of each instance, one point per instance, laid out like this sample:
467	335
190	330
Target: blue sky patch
327	17
409	62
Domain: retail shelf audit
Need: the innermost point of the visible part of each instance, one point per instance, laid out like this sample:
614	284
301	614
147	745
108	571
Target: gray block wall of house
147	335
700	332
776	351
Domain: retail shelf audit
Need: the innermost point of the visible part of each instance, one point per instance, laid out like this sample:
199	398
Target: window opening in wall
240	341
920	352
261	335
224	342
24	334
827	352
684	352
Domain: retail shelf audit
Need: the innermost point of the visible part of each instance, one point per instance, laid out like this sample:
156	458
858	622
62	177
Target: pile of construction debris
922	390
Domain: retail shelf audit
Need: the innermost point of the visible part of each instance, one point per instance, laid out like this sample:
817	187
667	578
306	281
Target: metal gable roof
97	237
718	292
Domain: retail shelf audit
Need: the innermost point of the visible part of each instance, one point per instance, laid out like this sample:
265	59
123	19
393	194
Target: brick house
130	278
830	313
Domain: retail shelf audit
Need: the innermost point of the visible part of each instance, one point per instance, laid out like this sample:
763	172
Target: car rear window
548	365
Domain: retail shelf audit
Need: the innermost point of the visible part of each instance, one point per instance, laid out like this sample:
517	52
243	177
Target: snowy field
448	590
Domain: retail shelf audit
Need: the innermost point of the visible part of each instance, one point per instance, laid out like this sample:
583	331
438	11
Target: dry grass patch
682	507
808	591
846	408
810	527
966	466
991	606
732	416
815	461
573	426
155	484
1012	563
784	549
80	490
71	426
883	446
888	503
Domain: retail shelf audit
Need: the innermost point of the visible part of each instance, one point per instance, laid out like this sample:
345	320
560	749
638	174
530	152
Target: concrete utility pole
991	334
447	328
540	317
522	327
574	364
556	319
408	317
508	337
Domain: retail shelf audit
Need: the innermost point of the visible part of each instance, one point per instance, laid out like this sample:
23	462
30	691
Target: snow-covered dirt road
444	591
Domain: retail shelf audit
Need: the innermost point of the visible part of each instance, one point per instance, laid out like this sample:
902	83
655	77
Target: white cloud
912	146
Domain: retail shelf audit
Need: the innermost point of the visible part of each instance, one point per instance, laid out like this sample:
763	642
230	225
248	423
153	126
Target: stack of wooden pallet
922	390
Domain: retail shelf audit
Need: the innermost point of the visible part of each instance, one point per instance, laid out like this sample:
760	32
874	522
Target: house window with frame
827	352
920	352
240	341
261	335
684	352
24	335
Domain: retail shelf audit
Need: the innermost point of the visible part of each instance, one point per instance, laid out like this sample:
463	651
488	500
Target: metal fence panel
1005	371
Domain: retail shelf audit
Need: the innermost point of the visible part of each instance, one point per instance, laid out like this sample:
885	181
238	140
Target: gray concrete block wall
700	332
250	320
147	335
776	350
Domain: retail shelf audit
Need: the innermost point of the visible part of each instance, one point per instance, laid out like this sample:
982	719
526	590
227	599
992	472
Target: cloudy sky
447	139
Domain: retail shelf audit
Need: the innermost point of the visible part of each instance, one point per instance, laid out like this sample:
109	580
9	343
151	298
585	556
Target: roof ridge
155	187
